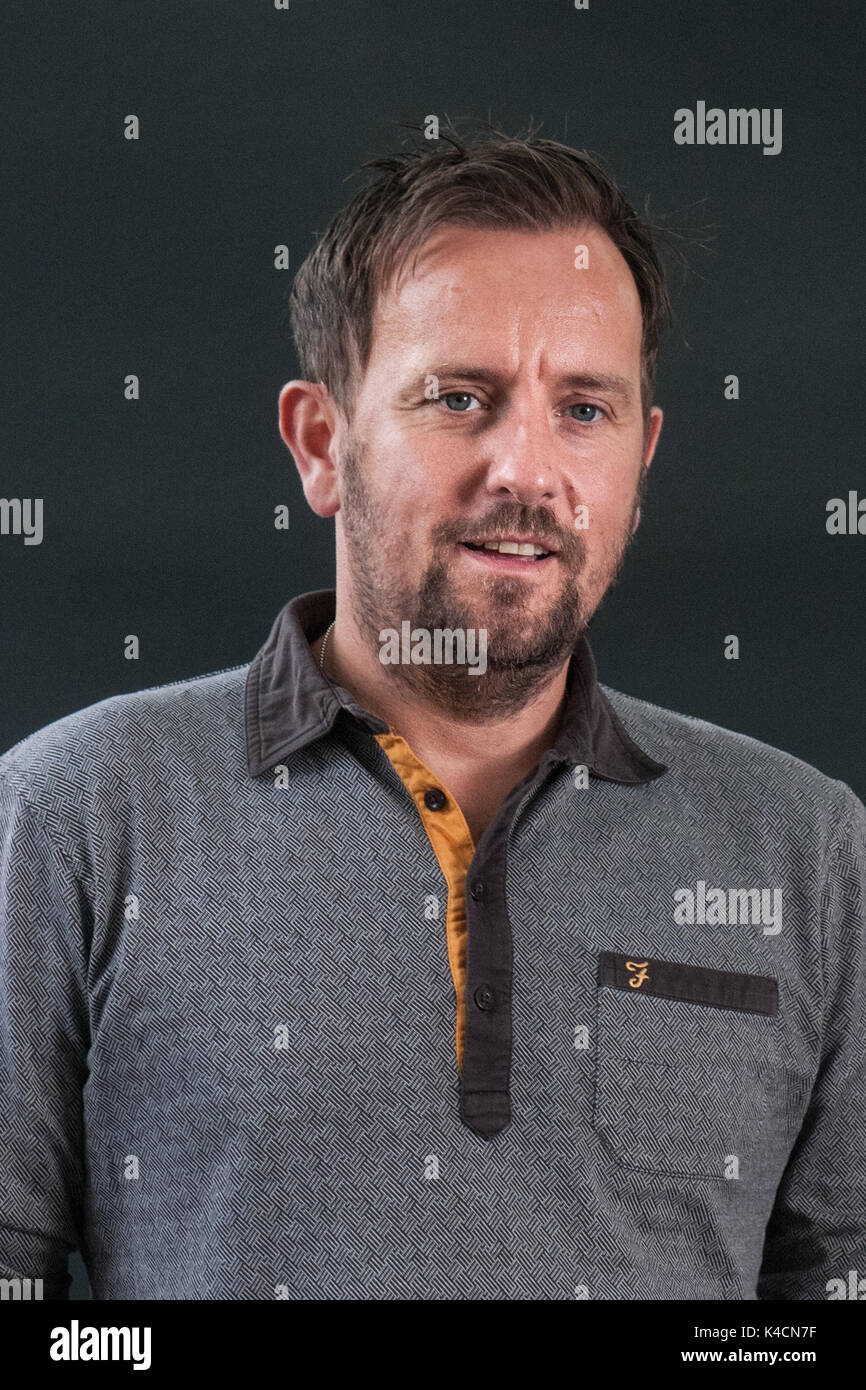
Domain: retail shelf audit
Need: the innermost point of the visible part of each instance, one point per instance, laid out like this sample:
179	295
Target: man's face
502	398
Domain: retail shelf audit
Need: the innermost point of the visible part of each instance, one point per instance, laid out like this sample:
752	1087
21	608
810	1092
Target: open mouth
510	551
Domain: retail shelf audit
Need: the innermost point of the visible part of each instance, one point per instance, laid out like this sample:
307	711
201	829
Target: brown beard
524	653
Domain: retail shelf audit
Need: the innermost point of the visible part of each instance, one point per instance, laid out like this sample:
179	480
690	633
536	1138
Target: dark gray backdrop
156	257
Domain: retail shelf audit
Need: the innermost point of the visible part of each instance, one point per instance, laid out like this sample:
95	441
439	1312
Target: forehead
495	289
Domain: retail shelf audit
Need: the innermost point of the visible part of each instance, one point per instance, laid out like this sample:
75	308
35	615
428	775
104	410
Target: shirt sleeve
816	1236
44	1039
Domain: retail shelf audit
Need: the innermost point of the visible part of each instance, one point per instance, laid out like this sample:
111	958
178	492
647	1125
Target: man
425	966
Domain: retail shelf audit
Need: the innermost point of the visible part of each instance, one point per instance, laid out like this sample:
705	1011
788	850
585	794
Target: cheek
406	459
608	511
608	486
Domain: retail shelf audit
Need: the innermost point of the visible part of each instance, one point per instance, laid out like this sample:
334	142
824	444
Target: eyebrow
580	381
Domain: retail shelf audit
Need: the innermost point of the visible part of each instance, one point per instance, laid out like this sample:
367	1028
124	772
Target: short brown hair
502	181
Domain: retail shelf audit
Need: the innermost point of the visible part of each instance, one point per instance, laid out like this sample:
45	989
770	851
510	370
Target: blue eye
458	396
585	405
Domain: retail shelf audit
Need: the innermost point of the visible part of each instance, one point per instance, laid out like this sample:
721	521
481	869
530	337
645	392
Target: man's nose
520	452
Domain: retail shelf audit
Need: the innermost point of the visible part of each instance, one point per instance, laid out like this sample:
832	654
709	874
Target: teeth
513	548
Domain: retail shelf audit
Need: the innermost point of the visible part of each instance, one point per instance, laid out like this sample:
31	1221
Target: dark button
478	889
484	997
434	798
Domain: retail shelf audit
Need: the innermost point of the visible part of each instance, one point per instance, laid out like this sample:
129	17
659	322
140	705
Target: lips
513	545
507	563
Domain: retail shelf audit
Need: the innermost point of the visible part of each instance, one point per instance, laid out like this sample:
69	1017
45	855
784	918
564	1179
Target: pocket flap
696	984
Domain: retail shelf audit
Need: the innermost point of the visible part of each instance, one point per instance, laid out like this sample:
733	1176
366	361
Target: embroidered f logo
640	966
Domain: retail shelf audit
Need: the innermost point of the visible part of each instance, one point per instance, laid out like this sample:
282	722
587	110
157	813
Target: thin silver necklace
324	645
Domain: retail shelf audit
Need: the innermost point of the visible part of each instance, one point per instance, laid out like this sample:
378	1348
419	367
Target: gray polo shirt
227	1017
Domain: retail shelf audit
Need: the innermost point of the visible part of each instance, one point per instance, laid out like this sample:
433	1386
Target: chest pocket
684	1059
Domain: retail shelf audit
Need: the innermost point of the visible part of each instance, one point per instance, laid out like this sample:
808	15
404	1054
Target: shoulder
134	738
735	770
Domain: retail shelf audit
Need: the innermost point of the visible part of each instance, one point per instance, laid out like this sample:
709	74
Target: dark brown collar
289	703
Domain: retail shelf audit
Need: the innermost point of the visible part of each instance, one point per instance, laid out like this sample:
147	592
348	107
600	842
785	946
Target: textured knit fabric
228	1010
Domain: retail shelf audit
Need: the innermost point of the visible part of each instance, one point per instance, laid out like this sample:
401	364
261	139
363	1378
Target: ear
310	424
652	435
650	441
